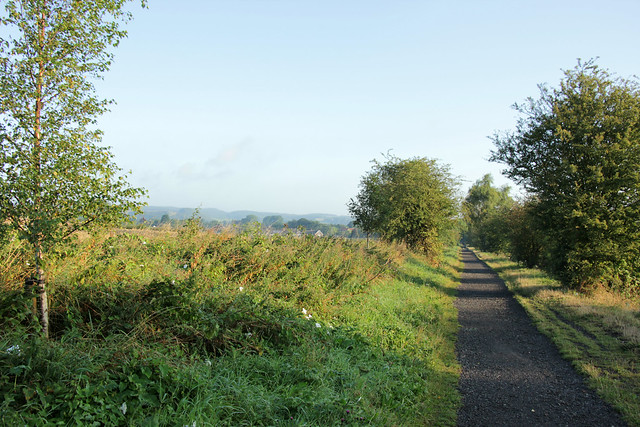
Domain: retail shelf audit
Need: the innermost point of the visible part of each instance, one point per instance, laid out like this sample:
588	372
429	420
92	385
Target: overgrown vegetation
576	151
598	332
177	328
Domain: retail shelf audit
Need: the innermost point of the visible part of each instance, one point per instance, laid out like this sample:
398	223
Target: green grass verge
412	320
160	329
598	332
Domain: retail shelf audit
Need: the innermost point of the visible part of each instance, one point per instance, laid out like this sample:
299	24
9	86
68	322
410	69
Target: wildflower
241	288
173	282
304	311
318	325
144	243
309	317
207	362
185	266
14	349
123	408
141	265
248	334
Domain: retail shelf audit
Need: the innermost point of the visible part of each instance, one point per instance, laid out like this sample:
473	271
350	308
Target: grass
166	328
413	316
598	332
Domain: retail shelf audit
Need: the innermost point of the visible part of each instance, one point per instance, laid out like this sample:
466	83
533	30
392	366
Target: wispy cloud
226	162
230	154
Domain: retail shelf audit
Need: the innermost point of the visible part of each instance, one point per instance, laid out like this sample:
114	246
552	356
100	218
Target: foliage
272	224
526	242
191	226
151	328
54	177
577	151
598	332
314	226
249	219
485	209
273	221
413	201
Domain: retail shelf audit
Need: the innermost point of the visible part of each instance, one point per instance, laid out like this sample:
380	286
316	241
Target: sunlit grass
599	331
164	328
413	315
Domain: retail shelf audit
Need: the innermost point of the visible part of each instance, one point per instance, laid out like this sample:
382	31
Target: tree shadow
422	281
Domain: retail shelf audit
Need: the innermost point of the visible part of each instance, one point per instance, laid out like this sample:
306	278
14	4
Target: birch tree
55	177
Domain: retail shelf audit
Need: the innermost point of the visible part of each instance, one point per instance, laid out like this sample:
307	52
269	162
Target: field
226	328
598	332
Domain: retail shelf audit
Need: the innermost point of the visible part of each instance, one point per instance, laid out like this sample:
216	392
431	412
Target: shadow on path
512	375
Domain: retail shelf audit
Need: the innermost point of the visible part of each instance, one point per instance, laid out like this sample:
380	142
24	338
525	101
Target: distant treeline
272	223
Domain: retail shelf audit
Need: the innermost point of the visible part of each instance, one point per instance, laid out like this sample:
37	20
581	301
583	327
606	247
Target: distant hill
155	212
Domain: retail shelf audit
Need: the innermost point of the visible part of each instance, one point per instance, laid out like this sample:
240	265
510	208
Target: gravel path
512	375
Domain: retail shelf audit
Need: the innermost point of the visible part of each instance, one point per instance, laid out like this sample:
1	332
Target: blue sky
280	105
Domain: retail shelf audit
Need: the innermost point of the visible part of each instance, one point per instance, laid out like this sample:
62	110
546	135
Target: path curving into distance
512	375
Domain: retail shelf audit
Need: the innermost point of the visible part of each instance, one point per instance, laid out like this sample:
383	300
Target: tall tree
485	209
370	206
55	178
576	149
526	240
412	200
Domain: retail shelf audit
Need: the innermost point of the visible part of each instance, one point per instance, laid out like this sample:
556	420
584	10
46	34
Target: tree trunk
41	290
42	301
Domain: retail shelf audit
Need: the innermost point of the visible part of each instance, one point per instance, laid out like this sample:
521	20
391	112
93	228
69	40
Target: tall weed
164	328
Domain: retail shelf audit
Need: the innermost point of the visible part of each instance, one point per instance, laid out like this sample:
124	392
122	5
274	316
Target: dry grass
14	266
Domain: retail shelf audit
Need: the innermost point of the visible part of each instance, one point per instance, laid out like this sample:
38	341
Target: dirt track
511	374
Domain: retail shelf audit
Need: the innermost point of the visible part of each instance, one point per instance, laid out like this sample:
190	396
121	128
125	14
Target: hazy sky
280	105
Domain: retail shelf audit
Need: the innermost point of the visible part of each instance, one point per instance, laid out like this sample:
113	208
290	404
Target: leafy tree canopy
485	210
412	200
576	149
274	221
249	219
483	198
